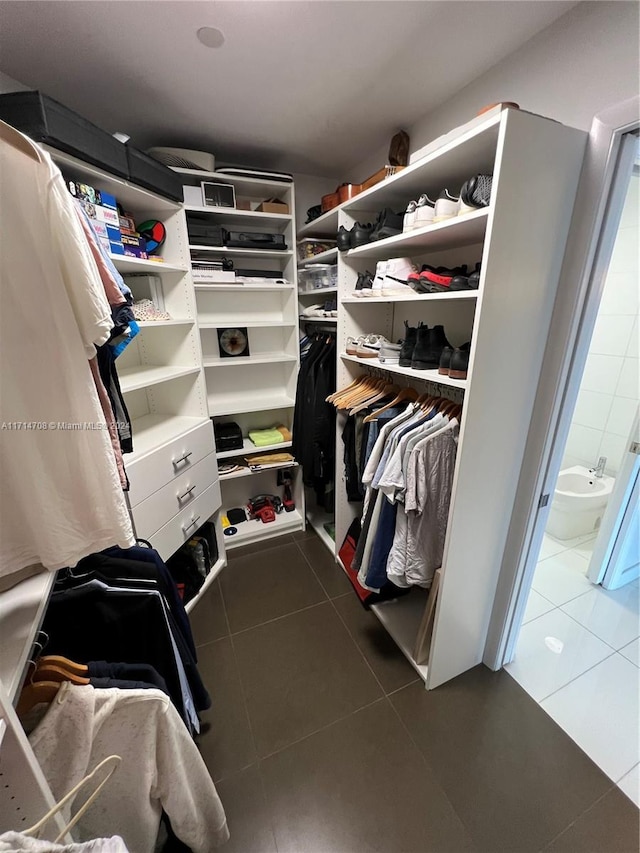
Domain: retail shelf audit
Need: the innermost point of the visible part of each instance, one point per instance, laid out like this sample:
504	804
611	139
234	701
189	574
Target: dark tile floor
321	739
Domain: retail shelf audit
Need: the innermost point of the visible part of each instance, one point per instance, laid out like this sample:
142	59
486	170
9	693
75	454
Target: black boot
428	349
408	344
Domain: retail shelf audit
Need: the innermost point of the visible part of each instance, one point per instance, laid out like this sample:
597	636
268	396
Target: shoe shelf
304	319
411	297
266	358
452	233
160	324
424	375
249	253
326	257
249	447
325	225
318	291
257	531
247	472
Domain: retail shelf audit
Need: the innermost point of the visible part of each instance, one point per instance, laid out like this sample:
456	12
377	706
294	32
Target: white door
616	556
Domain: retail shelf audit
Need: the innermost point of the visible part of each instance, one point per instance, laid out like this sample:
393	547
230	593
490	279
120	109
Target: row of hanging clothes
314	419
399	460
117	674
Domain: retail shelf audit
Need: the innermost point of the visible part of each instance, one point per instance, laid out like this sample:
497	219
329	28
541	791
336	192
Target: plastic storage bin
317	277
310	247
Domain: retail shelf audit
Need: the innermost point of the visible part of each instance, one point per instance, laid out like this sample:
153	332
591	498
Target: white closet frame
520	240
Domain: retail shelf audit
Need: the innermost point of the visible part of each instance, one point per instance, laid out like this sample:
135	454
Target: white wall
8	84
609	391
585	61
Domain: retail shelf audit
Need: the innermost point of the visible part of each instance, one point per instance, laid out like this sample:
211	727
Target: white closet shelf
318	319
127	193
426	375
126	265
253	253
318	291
220	405
325	225
235	322
317	518
247	472
217	567
267	358
241	217
249	447
402	619
152	431
325	257
215	287
256	531
135	378
159	324
22	609
244	185
459	231
411	296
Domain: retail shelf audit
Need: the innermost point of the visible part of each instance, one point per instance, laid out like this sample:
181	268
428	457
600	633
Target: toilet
579	502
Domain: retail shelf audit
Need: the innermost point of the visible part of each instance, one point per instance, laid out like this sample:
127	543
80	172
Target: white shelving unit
521	246
256	391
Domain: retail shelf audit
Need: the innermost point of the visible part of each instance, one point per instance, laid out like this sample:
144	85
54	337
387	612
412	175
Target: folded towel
263	437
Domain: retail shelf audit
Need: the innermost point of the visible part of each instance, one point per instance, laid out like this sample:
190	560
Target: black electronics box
228	436
153	175
202	232
45	120
255	240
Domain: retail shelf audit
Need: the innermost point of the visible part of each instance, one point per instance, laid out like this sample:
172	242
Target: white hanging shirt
61	493
17	842
161	767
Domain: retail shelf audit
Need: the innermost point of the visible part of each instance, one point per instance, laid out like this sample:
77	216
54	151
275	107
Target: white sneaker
353	343
446	206
312	311
409	217
378	279
369	346
424	212
396	275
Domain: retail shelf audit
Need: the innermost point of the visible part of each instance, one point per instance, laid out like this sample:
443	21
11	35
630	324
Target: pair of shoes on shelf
327	309
390	278
374	346
474	194
423	346
351	238
364	283
454	361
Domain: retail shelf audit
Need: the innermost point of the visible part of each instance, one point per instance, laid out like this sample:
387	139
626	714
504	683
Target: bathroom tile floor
578	656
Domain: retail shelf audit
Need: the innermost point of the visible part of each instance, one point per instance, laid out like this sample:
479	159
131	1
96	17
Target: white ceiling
307	85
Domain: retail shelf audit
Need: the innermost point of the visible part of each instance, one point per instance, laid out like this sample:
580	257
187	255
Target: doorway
578	649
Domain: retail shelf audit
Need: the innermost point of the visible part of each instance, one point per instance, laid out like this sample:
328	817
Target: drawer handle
189	526
187	494
184	458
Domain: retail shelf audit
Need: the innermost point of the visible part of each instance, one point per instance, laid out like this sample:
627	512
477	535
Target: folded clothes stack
275	435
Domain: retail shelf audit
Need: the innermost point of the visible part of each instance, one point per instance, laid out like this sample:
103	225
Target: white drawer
151	472
175	533
176	496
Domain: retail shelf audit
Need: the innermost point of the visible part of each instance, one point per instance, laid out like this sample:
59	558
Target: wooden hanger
35	694
358	381
383	392
49	672
16	139
365	389
66	664
404	394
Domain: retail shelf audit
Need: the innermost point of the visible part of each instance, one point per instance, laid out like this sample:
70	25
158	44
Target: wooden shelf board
321	258
240	287
425	375
126	265
241	216
411	296
318	319
135	378
247	472
249	185
253	253
271	358
241	322
325	225
221	406
318	291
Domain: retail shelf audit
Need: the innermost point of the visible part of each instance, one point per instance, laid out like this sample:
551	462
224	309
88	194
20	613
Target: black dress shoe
388	224
445	361
360	234
474	278
408	344
343	239
428	349
459	364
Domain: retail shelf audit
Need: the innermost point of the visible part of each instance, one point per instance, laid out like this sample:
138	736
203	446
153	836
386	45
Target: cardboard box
273	205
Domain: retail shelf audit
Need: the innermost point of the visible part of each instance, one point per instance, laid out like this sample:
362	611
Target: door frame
598	205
